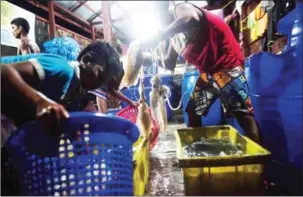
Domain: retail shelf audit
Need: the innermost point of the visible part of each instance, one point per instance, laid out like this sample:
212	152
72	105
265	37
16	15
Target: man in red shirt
206	41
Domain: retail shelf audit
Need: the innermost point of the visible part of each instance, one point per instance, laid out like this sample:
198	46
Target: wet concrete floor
166	178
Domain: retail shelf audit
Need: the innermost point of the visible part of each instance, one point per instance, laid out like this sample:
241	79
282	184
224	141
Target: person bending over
47	86
206	41
111	87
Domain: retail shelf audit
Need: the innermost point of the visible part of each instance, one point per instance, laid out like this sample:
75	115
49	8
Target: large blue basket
93	156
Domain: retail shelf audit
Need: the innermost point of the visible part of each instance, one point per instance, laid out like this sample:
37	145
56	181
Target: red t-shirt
213	47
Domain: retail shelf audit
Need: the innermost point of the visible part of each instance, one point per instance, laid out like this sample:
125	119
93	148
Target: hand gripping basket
93	156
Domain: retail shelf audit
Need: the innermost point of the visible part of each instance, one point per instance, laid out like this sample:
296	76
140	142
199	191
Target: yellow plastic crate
141	171
221	175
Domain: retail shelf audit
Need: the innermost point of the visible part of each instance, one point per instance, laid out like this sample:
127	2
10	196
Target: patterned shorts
230	86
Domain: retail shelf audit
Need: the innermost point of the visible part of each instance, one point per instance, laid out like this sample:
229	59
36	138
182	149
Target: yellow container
221	175
141	171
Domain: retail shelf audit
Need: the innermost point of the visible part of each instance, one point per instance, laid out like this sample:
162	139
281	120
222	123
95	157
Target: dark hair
99	34
119	49
21	22
104	54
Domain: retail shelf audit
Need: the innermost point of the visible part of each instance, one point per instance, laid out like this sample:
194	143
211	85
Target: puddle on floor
166	178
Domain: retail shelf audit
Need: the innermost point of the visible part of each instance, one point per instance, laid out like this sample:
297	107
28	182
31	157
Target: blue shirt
59	80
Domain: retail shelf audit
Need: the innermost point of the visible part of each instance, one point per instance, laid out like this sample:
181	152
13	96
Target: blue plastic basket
92	157
133	94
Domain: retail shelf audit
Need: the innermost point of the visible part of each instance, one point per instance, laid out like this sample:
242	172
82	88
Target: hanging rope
167	94
227	4
169	104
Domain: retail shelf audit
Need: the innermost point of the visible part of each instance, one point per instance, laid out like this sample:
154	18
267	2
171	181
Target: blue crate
92	157
133	94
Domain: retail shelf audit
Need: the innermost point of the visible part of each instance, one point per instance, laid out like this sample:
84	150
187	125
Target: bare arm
187	16
122	97
102	105
13	84
168	61
170	57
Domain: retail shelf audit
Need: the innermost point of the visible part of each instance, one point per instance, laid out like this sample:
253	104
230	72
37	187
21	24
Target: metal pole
93	33
51	18
106	22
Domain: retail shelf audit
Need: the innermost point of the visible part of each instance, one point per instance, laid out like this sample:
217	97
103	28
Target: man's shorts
230	86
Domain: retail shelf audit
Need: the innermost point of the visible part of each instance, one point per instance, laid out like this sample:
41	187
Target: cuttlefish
157	102
144	120
132	62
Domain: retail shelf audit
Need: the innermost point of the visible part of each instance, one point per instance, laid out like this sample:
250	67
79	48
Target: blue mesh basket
93	156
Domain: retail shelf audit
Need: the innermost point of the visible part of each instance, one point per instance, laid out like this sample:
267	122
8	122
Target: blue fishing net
63	46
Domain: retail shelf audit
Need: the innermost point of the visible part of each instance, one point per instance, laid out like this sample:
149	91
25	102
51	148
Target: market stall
129	128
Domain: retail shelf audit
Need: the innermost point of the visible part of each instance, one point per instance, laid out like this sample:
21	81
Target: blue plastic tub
214	116
92	157
276	88
133	94
165	79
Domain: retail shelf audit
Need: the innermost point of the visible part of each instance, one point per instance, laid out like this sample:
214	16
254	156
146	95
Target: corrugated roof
91	11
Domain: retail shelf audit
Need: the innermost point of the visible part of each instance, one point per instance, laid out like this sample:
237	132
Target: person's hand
230	17
133	104
50	114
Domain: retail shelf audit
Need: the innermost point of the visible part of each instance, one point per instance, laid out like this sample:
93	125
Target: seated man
20	28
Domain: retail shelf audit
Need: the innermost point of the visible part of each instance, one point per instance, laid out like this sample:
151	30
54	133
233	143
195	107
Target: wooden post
51	18
93	33
107	30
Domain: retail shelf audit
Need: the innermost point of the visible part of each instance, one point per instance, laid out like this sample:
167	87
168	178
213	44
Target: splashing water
212	147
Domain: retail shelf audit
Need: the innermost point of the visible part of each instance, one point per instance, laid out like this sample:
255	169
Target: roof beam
107	31
90	8
70	13
51	18
97	23
94	16
80	4
125	12
59	15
